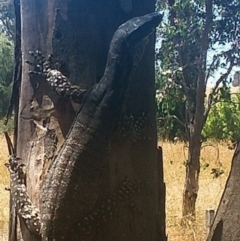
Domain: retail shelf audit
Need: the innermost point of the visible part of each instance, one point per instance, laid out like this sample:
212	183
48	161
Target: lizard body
72	184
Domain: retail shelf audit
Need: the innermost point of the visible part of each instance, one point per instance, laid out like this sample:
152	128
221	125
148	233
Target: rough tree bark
192	176
197	120
226	222
78	33
193	125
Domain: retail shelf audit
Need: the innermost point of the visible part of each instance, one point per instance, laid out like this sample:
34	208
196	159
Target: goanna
71	186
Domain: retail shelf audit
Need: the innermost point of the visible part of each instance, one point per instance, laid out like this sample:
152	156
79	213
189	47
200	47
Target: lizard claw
41	64
37	63
13	163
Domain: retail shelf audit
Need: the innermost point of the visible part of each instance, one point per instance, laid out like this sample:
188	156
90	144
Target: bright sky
212	79
217	74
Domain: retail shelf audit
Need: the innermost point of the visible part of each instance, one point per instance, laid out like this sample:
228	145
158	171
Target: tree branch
172	117
210	97
215	58
202	67
8	27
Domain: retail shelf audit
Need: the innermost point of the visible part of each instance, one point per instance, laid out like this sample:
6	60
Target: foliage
7	21
6	67
189	35
193	30
8	128
170	118
223	122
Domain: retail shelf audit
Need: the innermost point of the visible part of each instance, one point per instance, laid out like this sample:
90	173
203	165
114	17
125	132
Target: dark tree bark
78	33
226	222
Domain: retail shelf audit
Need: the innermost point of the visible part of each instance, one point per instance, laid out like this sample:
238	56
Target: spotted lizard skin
56	80
25	208
70	192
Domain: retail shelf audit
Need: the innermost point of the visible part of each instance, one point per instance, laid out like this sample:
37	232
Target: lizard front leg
26	211
55	79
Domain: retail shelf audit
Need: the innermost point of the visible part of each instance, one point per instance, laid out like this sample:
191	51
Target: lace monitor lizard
71	186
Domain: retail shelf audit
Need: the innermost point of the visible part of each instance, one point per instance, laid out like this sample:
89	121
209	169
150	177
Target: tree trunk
162	198
197	122
226	222
78	33
191	187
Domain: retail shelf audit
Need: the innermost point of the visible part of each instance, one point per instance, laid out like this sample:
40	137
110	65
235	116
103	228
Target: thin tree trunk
197	123
14	102
161	198
79	33
194	121
191	185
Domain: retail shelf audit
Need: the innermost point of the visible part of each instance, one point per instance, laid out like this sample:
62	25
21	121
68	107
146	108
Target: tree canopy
7	18
6	67
179	55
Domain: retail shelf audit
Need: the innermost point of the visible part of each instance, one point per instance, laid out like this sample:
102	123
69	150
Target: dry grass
209	193
174	171
4	195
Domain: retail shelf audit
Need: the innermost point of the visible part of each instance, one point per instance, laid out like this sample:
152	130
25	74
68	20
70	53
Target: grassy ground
217	156
174	171
4	195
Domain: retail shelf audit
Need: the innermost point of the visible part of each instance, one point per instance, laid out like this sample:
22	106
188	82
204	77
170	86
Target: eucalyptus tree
200	43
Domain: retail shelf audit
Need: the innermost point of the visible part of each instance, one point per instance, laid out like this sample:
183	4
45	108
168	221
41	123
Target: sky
212	79
218	49
217	74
